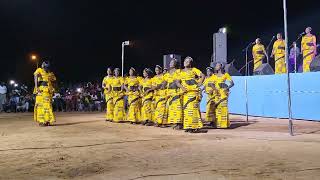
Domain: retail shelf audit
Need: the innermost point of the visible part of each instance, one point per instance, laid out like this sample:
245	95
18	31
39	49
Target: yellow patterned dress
258	52
222	113
159	100
134	99
117	93
107	81
308	48
174	98
191	99
43	113
209	82
279	56
147	99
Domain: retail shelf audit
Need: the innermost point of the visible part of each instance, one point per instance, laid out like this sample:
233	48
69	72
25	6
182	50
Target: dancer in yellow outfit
174	99
43	89
308	48
106	85
117	92
147	98
191	80
258	54
134	99
159	98
222	113
210	90
279	53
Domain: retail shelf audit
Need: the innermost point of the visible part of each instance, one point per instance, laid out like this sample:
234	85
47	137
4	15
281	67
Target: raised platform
267	96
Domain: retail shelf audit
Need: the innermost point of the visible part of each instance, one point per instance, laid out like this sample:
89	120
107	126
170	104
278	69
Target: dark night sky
82	38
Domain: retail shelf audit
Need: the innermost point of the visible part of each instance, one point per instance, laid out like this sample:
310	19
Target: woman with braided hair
211	91
147	97
158	84
222	113
173	93
43	113
117	93
191	80
134	100
106	85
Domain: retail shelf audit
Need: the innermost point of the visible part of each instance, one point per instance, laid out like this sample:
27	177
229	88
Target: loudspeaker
229	68
264	69
315	64
168	58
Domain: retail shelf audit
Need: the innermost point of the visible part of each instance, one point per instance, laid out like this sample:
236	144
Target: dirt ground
84	146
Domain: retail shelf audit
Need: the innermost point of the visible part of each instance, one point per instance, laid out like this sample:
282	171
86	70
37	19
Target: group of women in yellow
44	80
169	99
308	51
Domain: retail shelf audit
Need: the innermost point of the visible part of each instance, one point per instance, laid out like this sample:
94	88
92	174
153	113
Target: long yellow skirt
308	56
134	111
191	111
280	64
174	110
43	108
210	109
222	113
257	63
109	107
160	110
146	109
119	109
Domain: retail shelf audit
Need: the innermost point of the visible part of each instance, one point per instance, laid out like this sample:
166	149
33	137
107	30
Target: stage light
79	90
16	85
33	57
223	30
12	82
126	43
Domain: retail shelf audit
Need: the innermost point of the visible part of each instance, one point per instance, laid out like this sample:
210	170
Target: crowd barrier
268	96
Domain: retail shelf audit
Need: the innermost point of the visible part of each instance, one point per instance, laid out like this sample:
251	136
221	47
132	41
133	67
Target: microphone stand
246	50
268	49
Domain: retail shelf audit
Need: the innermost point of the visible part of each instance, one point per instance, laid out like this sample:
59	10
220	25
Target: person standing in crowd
278	52
147	98
191	80
222	113
294	58
258	54
210	90
174	101
3	95
43	106
308	48
117	92
159	98
134	99
106	85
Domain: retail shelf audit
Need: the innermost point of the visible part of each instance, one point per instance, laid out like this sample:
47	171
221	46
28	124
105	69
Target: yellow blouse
279	47
258	51
146	84
220	84
307	42
189	80
157	81
208	83
170	78
116	84
107	82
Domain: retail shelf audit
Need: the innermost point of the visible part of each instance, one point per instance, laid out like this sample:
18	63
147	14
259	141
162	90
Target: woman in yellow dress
308	48
134	100
147	98
210	90
117	91
106	85
174	99
191	80
258	54
279	53
159	98
43	89
222	113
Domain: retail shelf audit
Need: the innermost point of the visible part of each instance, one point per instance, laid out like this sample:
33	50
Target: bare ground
84	146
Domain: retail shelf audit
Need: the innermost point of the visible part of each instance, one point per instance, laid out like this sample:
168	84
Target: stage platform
268	97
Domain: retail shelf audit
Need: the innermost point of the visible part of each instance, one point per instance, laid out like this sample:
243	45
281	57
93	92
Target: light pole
125	43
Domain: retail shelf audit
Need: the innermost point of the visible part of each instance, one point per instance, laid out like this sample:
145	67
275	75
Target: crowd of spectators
66	98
